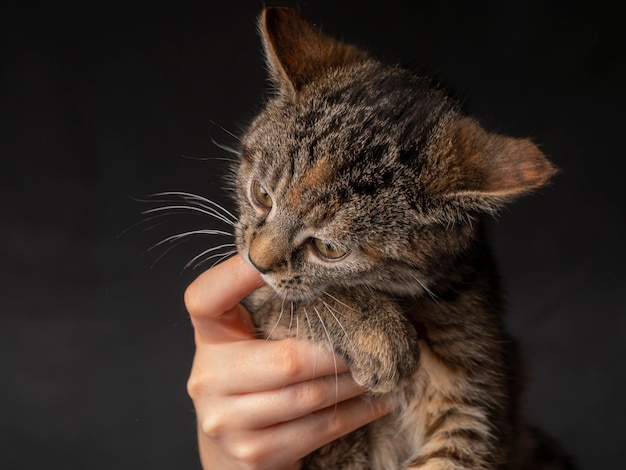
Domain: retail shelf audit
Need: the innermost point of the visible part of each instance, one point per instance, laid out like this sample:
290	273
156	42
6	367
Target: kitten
361	191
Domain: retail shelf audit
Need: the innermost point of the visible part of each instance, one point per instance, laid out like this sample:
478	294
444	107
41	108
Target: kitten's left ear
485	170
297	52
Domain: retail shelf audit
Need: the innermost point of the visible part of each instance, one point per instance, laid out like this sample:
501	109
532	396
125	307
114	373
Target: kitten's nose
267	251
261	269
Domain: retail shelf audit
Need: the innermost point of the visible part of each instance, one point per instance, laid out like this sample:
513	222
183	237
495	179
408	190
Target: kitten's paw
385	361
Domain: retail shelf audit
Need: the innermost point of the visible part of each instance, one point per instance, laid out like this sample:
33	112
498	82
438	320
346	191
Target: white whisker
426	289
290	318
174	245
179	238
280	316
222	258
203	210
332	350
210	250
227	148
308	320
342	303
297	324
207	159
197	199
185	203
330	310
143	222
184	235
225	130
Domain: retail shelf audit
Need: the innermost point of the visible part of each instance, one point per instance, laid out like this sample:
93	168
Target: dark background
102	102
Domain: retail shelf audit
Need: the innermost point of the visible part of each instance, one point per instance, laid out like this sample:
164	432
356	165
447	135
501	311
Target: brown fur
382	166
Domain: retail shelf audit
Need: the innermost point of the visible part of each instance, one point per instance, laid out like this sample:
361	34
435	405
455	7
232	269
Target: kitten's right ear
297	52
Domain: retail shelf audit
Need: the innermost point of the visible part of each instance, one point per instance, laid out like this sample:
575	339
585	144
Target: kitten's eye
261	196
327	250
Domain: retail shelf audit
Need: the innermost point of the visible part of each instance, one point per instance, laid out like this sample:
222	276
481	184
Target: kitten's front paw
384	357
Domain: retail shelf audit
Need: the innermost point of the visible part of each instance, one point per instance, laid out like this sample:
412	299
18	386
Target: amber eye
327	250
261	196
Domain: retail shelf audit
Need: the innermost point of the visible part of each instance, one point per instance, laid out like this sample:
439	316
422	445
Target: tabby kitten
361	190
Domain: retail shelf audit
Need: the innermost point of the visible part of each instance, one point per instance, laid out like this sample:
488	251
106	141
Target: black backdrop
101	103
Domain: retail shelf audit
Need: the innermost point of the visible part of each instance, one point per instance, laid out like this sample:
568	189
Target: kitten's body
361	188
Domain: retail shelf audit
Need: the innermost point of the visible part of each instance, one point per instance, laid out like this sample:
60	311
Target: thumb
212	301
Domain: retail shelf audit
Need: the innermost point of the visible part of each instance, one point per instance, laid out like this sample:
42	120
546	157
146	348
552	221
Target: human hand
262	404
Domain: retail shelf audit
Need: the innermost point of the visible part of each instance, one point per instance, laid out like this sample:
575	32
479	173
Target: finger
257	365
291	441
265	409
324	426
212	300
220	288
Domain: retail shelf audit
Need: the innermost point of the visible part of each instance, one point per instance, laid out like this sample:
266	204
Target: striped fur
361	192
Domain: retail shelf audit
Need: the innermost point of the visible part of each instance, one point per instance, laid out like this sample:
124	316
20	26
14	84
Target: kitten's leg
380	345
368	328
372	333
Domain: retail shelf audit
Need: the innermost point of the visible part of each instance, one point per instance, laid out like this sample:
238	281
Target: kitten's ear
486	170
297	52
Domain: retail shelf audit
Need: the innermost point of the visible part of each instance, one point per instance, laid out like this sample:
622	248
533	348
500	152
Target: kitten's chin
291	293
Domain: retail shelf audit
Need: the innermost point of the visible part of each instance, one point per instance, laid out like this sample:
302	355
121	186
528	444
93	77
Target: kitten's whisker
168	211
143	222
297	324
332	350
190	200
162	255
205	252
426	289
174	241
290	318
308	320
280	316
342	303
222	258
179	238
203	210
228	149
207	159
330	310
225	130
197	199
185	235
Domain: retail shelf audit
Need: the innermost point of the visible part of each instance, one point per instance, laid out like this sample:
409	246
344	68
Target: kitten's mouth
290	289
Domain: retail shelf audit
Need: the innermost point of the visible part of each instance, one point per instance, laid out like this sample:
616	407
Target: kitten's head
359	173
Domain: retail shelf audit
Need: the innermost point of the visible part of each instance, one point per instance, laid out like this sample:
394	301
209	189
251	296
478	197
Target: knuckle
311	394
202	380
337	423
212	426
195	387
192	300
286	360
249	455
